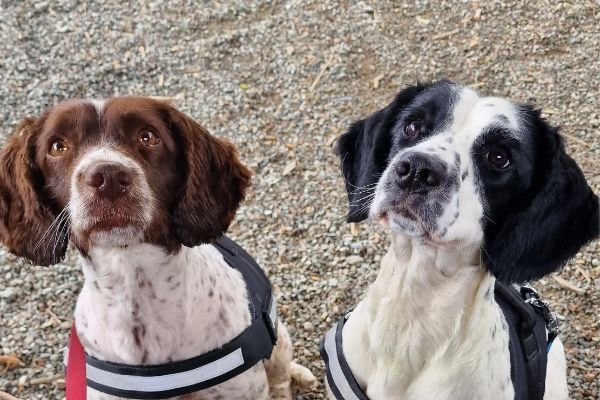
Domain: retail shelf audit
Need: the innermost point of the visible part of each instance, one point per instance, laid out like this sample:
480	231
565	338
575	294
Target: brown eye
499	158
149	138
58	148
414	129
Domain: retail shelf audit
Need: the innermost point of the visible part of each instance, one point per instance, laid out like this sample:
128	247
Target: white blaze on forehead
98	105
473	114
99	155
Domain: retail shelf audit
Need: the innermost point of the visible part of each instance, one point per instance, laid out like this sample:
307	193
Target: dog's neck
428	305
141	305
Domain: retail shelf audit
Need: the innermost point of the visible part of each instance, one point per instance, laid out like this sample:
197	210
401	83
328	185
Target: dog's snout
418	173
110	181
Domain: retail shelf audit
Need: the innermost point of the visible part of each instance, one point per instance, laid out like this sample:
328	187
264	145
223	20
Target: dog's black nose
111	181
418	173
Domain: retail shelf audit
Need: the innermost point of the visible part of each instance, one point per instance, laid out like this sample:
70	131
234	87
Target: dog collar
341	382
201	372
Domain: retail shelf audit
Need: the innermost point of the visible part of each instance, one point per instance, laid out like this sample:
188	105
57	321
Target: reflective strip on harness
161	383
187	376
339	377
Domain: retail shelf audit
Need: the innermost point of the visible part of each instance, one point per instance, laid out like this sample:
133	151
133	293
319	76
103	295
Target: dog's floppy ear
215	182
364	152
27	222
560	217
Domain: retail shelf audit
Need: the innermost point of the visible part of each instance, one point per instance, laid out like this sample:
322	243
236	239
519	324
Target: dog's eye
414	129
499	157
149	138
58	148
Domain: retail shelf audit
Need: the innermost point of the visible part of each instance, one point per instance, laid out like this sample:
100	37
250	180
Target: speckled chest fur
140	306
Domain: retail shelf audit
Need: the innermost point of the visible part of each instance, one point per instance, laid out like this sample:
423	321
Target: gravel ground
282	80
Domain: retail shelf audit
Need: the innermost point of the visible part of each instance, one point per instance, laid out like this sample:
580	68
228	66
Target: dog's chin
407	223
116	237
110	233
404	224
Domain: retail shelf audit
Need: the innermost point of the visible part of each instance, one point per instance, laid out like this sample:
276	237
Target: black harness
528	319
206	370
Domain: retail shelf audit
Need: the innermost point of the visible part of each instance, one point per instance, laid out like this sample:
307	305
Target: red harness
76	378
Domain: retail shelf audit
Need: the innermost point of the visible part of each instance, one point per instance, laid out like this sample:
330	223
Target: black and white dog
475	191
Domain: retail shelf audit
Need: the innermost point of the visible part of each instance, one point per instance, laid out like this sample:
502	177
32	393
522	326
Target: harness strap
182	377
260	292
178	378
341	382
527	343
76	386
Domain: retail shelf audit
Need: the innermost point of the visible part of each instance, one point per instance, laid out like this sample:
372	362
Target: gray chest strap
339	377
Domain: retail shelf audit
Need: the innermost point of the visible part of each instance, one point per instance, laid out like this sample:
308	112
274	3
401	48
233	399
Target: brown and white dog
140	189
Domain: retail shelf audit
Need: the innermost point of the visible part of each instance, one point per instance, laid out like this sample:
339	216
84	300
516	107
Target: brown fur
197	177
26	212
216	183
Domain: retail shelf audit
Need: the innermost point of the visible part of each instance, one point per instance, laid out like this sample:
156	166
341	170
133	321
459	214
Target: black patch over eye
414	129
499	157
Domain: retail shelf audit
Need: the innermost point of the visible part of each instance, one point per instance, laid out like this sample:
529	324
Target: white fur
81	198
98	105
178	306
424	328
423	331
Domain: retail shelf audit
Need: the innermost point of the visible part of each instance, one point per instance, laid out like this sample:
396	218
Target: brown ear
26	221
215	182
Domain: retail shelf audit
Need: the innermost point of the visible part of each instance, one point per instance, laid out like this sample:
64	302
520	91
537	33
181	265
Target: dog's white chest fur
423	332
141	306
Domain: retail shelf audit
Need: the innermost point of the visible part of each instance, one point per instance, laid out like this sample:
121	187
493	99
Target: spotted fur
141	190
431	167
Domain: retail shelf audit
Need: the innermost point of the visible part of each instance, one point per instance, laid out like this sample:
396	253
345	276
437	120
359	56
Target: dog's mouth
109	223
414	217
403	219
106	216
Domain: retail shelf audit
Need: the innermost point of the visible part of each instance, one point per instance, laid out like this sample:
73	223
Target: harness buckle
532	298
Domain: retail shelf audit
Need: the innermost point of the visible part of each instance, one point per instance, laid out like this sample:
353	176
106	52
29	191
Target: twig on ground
583	273
46	379
377	81
568	285
444	35
6	396
318	78
577	366
53	315
576	139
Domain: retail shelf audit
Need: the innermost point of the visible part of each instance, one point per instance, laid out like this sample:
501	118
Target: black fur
540	223
539	213
366	147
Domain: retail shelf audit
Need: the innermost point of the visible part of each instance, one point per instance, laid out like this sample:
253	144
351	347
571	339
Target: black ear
364	152
561	215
